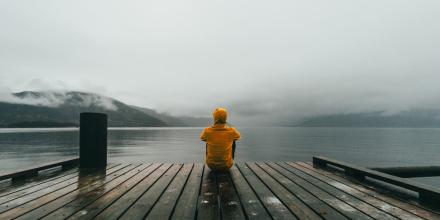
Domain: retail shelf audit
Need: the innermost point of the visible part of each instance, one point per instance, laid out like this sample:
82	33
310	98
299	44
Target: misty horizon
266	62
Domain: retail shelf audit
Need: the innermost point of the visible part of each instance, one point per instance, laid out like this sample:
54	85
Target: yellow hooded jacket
219	139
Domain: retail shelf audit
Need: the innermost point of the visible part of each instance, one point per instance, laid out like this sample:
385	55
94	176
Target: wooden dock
191	191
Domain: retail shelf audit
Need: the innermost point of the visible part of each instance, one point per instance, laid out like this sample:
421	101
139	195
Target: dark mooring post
92	140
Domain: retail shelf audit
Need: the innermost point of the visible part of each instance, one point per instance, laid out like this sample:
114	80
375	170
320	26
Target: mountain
183	121
413	118
62	109
53	109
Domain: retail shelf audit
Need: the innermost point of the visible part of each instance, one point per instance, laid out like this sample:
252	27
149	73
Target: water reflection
89	176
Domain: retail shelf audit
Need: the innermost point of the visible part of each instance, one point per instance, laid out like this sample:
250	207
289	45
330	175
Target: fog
266	61
56	98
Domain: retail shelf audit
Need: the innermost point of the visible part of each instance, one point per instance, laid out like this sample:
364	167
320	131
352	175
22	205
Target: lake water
20	148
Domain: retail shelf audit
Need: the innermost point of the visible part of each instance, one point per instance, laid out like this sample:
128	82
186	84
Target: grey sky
261	59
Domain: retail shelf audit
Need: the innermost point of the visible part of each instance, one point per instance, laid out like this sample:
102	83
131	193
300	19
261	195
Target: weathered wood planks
192	191
33	171
427	194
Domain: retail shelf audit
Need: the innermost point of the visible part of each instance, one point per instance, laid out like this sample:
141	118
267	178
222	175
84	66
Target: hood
220	116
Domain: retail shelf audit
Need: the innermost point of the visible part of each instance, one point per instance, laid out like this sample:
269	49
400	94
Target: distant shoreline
6	129
40	124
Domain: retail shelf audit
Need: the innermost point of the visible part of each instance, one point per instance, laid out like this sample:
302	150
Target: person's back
219	138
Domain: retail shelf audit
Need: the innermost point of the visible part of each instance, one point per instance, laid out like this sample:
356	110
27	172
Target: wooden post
92	140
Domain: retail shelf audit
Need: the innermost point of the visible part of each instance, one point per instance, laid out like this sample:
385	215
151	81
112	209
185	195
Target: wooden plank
186	206
60	199
386	207
417	210
94	208
33	171
344	208
115	210
252	206
29	190
273	205
427	193
31	205
29	197
313	202
295	205
349	199
15	186
143	205
208	204
90	193
73	178
230	204
20	191
165	205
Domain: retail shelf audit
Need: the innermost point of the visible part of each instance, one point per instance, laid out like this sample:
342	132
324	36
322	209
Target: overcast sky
261	59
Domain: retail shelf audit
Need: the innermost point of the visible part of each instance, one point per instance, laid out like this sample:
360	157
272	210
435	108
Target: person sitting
220	142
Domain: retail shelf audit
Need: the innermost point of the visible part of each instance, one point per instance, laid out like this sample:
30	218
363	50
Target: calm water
20	148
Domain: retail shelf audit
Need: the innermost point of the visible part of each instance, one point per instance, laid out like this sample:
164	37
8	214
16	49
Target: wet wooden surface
291	190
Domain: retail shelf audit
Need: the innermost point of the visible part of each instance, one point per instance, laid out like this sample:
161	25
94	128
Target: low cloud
55	99
88	100
47	99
